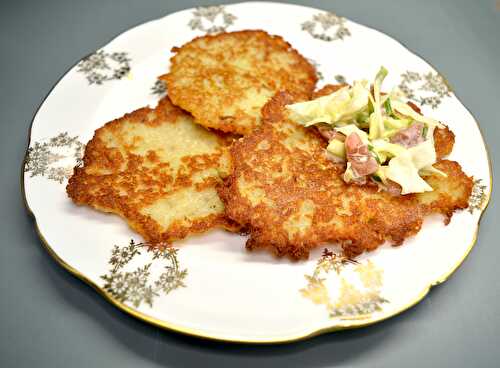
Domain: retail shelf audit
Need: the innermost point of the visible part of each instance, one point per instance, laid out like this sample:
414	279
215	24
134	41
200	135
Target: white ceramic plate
210	286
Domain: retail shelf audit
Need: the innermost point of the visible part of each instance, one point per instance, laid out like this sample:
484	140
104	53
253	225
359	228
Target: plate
208	285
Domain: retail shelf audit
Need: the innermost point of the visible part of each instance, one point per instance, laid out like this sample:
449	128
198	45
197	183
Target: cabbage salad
379	137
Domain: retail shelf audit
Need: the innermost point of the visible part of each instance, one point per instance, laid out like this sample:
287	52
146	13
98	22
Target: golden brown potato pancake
292	198
158	170
224	80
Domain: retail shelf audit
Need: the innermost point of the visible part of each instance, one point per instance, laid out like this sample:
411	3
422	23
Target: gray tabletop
51	319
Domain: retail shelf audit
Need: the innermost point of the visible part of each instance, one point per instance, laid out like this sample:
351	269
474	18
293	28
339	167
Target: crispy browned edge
107	200
193	102
446	204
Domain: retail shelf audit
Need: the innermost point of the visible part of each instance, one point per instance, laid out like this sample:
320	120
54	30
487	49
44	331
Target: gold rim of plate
286	339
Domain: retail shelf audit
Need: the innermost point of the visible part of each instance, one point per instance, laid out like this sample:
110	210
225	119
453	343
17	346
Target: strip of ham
410	136
393	188
362	162
329	133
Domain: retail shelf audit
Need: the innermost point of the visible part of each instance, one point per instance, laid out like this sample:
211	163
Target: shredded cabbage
404	167
343	105
382	146
430	170
401	169
337	148
352	109
396	124
406	110
376	123
351	128
423	154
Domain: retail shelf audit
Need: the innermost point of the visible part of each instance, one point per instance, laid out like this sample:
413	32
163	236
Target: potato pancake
158	170
291	197
224	80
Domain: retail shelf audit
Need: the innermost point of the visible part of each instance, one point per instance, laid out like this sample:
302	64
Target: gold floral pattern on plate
102	66
339	78
159	88
211	19
54	158
135	284
357	296
332	27
424	88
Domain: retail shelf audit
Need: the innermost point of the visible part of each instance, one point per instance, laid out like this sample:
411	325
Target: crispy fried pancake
450	193
225	79
157	169
327	90
444	139
292	198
